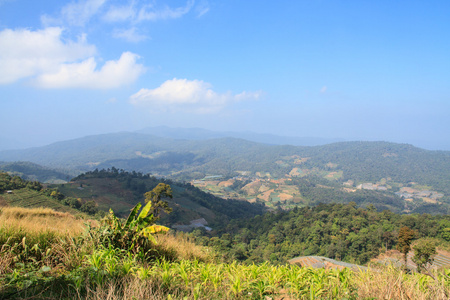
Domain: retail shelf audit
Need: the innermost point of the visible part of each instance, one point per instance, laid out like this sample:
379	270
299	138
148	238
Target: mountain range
195	154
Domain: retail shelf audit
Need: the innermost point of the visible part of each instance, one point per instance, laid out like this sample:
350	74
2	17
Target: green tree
156	196
423	255
405	237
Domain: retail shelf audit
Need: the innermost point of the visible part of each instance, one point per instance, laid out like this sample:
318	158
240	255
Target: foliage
339	231
405	237
136	233
423	254
155	196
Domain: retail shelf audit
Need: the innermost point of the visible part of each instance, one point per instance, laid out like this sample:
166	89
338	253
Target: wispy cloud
130	35
75	13
194	96
135	11
323	89
202	8
113	74
152	13
126	13
122	13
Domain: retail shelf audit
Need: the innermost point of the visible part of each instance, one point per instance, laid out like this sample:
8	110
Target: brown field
226	183
284	197
294	172
266	195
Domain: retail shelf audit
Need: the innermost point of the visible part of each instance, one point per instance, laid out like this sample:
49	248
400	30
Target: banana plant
138	229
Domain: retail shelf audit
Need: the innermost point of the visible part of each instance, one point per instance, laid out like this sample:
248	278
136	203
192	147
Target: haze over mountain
204	134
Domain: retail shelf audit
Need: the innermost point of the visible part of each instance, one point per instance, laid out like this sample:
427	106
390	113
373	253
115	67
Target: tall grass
46	256
179	247
39	235
393	283
35	221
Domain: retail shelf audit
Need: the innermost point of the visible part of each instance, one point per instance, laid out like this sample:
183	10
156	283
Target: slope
121	190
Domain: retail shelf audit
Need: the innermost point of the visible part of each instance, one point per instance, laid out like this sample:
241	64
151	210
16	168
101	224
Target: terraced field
33	199
441	260
319	262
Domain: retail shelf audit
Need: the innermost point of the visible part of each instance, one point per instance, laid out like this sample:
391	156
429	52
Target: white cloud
76	13
54	63
113	74
187	95
323	89
130	35
25	53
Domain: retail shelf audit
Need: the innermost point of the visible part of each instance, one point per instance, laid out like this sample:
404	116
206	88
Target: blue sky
357	70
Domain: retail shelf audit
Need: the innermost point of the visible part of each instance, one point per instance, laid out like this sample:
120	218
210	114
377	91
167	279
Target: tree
156	195
89	207
423	255
405	237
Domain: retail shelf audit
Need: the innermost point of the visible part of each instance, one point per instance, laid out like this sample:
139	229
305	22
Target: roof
324	262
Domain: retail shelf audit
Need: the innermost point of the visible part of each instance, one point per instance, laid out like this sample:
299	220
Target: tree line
339	231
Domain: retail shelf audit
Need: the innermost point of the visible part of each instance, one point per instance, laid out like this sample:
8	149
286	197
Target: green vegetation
121	190
405	237
423	255
50	263
339	231
18	192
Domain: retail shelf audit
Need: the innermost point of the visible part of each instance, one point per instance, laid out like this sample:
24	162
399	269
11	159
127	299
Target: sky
348	69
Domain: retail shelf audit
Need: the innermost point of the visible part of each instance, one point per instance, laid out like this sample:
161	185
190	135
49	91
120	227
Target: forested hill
121	190
151	154
339	231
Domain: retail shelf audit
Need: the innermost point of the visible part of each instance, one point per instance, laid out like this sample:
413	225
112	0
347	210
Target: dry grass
39	220
129	288
392	283
182	248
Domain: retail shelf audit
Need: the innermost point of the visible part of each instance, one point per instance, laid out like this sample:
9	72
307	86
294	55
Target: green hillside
33	199
121	190
16	192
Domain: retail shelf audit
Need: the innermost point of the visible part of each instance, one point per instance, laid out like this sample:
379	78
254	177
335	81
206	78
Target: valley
397	177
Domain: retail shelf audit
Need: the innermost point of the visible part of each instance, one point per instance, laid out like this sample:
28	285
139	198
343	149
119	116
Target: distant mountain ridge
344	165
224	156
204	134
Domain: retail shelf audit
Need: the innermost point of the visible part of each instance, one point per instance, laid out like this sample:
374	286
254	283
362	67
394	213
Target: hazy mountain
191	159
34	172
203	134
